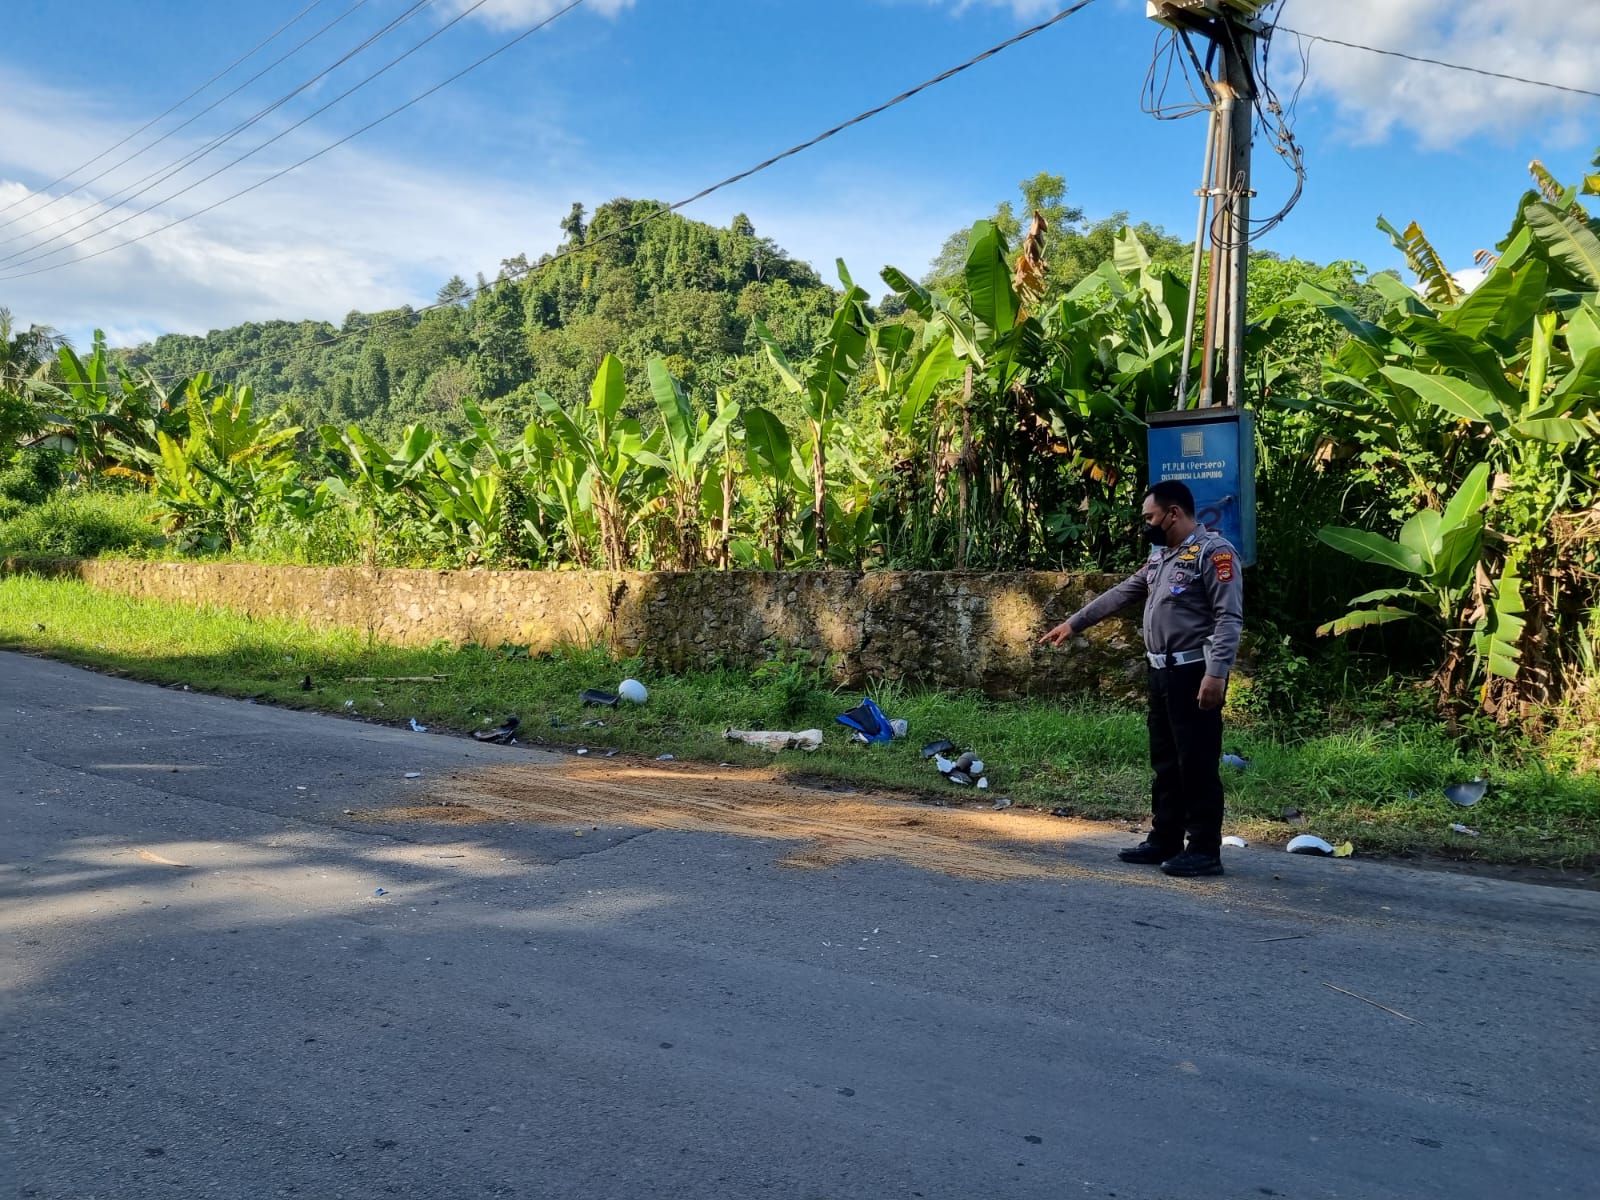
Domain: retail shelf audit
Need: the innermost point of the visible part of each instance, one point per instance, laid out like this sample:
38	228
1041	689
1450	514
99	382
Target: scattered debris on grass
501	734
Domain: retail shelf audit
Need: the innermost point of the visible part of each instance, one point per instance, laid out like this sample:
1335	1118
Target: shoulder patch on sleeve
1222	561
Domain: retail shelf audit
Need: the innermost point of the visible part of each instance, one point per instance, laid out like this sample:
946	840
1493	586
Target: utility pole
1231	28
1212	447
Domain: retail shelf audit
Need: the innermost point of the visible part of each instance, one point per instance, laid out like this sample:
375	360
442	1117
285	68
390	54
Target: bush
82	525
28	480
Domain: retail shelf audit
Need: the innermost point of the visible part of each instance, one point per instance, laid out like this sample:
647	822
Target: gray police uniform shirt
1193	599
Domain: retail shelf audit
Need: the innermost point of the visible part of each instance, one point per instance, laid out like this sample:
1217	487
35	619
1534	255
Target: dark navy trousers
1186	752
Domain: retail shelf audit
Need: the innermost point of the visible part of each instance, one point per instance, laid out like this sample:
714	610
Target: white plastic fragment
1460	828
413	774
416	728
776	740
1309	843
633	691
1235	840
1467	794
945	765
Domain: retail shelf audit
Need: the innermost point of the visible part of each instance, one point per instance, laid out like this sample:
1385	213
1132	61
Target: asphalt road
205	997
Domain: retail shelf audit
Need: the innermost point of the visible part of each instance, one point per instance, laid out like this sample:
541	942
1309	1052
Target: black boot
1148	854
1193	862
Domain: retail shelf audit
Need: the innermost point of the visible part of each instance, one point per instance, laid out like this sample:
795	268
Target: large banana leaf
988	276
1570	243
839	358
939	368
1331	306
609	392
771	451
1361	619
917	298
1461	355
1503	303
1439	285
1583	332
1454	396
677	415
1372	547
1497	643
780	360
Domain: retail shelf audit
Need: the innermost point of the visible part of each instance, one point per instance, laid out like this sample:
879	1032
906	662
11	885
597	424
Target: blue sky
657	98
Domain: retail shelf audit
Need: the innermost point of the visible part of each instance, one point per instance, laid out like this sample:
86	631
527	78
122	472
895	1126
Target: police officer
1193	616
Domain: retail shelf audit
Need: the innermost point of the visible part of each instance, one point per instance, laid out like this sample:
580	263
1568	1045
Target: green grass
83	525
1378	786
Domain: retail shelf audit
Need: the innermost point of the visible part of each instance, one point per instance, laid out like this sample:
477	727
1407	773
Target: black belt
1180	658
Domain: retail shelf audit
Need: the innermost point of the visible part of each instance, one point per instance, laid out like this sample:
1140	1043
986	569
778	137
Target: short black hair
1173	491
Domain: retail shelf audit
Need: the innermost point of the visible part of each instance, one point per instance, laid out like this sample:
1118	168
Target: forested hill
675	287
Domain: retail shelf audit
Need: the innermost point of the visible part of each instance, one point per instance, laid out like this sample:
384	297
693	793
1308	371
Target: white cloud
519	14
1549	40
1019	8
351	230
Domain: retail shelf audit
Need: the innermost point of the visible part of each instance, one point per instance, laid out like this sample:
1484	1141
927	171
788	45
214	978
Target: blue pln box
1213	450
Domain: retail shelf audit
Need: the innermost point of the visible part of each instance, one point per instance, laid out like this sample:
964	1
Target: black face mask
1155	534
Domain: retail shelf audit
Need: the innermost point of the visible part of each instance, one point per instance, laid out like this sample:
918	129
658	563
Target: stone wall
946	628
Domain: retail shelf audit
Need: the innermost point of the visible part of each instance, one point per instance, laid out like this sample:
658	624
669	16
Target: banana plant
773	461
466	500
112	415
1442	553
606	447
382	489
822	384
686	442
215	481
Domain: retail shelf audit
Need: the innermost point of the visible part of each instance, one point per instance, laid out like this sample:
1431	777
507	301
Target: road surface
245	956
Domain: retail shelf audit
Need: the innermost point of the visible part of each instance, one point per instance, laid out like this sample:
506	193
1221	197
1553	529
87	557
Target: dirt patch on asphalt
825	828
450	813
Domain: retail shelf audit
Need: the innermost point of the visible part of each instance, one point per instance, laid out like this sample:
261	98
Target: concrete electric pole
1231	26
1212	447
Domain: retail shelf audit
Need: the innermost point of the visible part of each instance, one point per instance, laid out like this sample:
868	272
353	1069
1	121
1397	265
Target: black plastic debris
939	747
305	684
598	698
1466	794
502	734
1061	810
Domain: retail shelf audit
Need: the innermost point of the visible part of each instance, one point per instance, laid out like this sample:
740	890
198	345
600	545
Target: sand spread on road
821	828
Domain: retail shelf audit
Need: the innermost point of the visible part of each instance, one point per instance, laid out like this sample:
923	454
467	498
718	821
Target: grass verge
1379	787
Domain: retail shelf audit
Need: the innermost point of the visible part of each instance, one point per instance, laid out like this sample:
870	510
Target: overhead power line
657	214
1436	62
115	145
172	166
36	252
464	13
